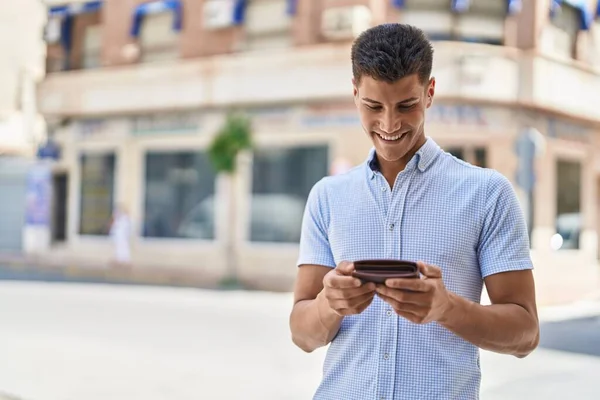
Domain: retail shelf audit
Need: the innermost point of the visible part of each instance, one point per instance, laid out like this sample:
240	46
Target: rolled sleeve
314	242
504	242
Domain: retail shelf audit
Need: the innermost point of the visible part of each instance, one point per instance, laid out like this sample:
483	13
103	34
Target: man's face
393	114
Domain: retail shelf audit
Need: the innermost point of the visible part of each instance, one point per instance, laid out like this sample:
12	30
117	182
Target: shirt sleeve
504	241
314	242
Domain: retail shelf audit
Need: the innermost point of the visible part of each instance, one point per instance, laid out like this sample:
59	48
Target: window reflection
179	200
568	205
97	193
281	181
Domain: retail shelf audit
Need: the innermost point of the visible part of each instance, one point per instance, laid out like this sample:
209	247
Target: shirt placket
389	320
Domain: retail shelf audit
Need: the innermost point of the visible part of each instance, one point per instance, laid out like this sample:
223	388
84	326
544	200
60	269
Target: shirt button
391	227
389	313
383	189
386	356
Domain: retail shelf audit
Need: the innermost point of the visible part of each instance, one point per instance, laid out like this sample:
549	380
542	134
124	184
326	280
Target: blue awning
66	13
460	6
74	9
157	7
239	11
292	7
587	16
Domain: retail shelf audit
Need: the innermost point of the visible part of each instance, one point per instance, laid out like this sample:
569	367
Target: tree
234	137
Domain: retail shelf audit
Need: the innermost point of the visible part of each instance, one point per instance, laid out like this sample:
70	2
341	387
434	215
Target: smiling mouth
390	138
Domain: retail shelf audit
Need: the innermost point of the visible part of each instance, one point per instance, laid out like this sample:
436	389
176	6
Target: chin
393	151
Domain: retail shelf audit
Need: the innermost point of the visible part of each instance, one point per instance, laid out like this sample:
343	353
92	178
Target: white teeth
390	137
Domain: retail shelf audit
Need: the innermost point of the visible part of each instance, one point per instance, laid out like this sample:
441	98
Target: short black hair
390	52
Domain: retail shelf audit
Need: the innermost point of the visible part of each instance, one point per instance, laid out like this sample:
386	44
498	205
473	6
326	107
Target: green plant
234	136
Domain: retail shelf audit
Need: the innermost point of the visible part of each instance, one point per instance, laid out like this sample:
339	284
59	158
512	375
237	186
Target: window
483	22
568	205
560	36
158	40
92	46
281	182
456	152
268	24
432	16
97	193
179	198
473	155
480	157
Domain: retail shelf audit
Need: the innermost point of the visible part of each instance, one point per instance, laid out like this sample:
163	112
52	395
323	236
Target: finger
404	308
417	319
430	271
415	285
357	304
345	268
342	282
401	296
347	294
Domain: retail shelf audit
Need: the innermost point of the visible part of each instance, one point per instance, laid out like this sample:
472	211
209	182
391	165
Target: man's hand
345	294
418	300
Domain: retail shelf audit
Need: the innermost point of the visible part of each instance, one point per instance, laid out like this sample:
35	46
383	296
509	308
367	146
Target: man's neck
391	169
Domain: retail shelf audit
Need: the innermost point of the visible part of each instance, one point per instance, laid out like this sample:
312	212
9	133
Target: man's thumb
345	268
430	271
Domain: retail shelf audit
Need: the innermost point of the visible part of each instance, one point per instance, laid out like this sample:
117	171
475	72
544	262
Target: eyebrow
368	100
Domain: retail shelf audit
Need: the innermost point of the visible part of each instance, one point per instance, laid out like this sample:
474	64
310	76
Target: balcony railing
467	71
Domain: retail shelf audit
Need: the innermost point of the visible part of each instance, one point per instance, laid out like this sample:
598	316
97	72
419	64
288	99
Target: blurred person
410	200
120	232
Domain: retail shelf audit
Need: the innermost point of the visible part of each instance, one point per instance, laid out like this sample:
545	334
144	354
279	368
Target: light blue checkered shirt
443	211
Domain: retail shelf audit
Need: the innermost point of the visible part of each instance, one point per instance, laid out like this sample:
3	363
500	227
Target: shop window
568	205
480	157
97	193
281	181
473	155
456	152
560	35
179	196
267	24
482	22
158	40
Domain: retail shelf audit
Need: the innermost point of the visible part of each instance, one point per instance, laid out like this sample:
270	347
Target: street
95	342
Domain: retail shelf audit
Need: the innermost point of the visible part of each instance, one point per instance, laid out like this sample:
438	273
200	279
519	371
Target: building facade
136	90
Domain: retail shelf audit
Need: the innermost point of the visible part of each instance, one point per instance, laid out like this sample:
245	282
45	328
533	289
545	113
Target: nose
390	123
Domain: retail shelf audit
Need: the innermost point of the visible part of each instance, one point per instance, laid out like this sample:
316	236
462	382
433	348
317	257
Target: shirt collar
422	158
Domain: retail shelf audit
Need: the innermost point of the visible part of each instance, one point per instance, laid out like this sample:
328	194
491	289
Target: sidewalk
19	267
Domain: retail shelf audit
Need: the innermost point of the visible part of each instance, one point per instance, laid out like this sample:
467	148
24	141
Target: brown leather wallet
378	271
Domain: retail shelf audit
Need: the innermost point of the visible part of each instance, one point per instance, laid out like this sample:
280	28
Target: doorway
60	183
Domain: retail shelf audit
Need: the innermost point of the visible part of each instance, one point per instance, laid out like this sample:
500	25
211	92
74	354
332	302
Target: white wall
22	59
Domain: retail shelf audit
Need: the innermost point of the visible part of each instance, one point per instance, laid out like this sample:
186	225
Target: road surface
96	342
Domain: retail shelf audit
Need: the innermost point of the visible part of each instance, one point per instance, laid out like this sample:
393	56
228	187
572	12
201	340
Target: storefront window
456	152
97	193
476	156
568	205
281	181
179	196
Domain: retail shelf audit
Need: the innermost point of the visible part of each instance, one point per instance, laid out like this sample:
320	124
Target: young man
410	338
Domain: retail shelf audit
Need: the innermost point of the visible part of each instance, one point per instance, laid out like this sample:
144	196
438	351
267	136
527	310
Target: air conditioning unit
218	14
345	22
52	33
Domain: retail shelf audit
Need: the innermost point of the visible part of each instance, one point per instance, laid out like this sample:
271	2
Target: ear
430	92
354	88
